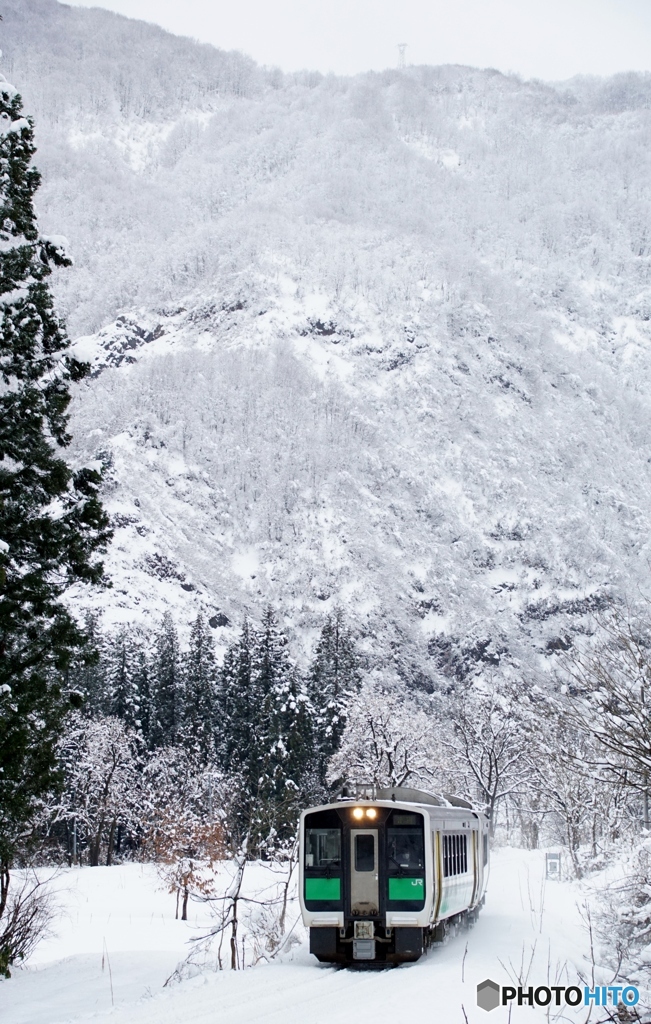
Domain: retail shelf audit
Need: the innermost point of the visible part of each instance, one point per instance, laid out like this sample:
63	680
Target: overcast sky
551	39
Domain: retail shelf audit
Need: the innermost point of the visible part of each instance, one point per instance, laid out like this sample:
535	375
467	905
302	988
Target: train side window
455	855
485	848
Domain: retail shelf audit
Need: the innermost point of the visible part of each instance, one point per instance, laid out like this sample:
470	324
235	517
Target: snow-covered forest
369	390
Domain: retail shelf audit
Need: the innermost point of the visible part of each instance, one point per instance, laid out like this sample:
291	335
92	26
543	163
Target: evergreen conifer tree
281	769
142	676
237	709
122	697
52	524
87	672
334	680
200	671
167	699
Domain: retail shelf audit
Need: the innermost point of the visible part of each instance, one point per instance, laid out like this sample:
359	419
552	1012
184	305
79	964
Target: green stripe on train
322	888
406	888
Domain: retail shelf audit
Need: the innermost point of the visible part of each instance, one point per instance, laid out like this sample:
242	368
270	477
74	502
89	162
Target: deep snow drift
528	928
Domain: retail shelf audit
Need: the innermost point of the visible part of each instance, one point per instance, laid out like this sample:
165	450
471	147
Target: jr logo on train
385	873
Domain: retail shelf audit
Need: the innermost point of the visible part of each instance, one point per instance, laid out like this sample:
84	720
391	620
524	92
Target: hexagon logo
488	995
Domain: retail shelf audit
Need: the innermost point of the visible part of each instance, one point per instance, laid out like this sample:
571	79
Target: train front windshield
322	847
406	848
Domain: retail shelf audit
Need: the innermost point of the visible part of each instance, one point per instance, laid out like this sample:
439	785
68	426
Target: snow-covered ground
117	918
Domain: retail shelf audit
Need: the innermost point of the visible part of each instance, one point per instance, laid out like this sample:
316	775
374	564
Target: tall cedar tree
200	671
52	524
167	699
87	672
334	681
123	698
282	762
235	726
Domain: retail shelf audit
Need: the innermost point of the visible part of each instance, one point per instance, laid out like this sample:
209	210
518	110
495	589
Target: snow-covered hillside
380	342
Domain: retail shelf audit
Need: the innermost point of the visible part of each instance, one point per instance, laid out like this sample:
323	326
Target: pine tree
87	672
123	699
334	681
282	761
167	698
142	681
199	672
52	524
237	711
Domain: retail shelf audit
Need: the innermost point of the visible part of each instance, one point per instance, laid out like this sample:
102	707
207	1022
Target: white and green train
384	873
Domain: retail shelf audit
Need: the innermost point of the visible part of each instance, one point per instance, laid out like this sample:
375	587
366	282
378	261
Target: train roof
400	794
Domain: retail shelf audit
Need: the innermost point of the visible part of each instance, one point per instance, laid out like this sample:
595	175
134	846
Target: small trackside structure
386	873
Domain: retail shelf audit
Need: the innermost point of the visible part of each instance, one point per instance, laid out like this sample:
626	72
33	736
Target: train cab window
364	852
405	849
323	848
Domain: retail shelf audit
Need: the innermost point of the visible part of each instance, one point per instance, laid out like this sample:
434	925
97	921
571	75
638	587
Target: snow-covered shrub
623	920
26	917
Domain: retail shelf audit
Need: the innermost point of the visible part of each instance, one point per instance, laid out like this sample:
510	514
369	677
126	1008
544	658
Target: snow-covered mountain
380	342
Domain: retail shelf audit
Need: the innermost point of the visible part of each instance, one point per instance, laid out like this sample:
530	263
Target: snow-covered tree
238	707
200	685
182	820
167	701
334	681
581	807
52	524
283	769
123	699
87	671
388	741
609	697
485	733
100	760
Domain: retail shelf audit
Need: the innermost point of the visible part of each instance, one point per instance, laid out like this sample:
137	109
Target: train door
477	866
364	888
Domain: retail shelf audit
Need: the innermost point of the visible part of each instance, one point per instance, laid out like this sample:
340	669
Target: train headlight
358	813
371	812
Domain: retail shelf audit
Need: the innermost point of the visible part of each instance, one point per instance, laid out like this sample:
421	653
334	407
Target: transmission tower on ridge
402	63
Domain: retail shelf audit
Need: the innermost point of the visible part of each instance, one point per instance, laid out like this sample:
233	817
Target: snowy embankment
118	941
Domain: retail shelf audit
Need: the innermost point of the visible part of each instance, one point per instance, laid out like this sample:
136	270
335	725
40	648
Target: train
386	873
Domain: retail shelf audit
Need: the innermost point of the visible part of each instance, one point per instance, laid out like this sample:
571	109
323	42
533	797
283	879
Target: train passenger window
322	848
364	853
405	849
455	855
